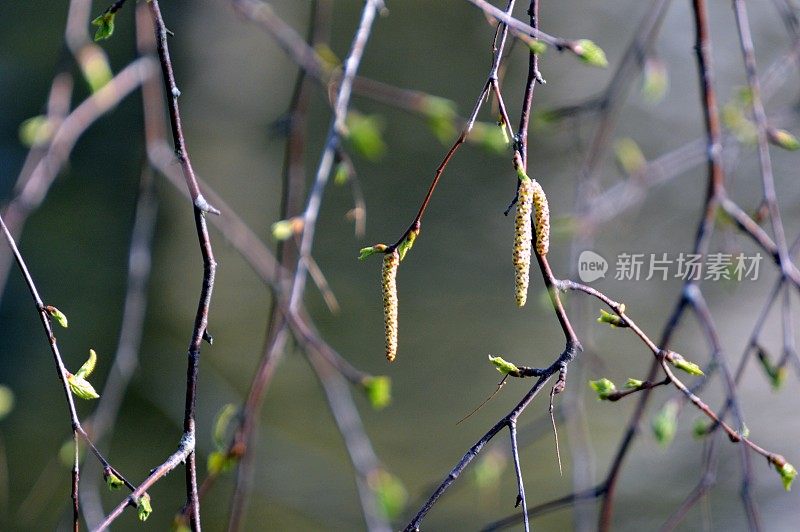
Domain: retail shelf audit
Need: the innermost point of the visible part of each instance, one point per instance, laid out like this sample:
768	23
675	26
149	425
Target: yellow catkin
389	285
542	219
522	240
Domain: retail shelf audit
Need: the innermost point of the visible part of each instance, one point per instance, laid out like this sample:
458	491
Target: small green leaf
784	139
590	53
744	96
611	319
633	383
285	229
364	132
681	363
442	114
328	56
545	117
143	507
219	462
734	119
368	252
744	432
81	387
700	428
603	387
282	230
506	368
489	470
221	423
536	46
779	378
378	390
96	70
35	131
776	374
105	26
390	492
489	137
655	81
341	174
88	366
629	156
180	526
59	316
665	423
503	130
113	482
565	227
66	453
6	401
407	243
788	473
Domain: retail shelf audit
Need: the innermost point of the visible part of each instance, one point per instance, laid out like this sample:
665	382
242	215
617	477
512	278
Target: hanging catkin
522	239
389	285
542	219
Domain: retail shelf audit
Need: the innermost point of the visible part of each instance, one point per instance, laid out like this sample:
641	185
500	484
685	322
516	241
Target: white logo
591	266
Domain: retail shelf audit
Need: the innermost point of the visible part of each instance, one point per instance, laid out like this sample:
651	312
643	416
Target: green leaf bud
378	390
105	26
59	316
371	250
81	387
665	423
504	367
603	387
143	507
590	53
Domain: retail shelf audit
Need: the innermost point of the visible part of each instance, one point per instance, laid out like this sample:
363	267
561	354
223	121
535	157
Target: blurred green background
456	288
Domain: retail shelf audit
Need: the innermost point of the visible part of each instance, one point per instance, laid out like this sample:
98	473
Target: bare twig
335	131
185	451
126	358
61	370
32	188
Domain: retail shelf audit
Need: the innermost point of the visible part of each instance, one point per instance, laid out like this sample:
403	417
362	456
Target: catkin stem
389	285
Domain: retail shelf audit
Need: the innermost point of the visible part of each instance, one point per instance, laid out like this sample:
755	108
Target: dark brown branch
491	81
185	451
415	523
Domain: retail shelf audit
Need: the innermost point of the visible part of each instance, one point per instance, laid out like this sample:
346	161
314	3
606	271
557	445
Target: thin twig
512	429
127	353
767	179
32	187
359	448
201	207
61	370
335	131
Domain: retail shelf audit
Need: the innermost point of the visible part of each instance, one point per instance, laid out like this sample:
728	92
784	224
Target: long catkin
542	219
522	240
389	285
